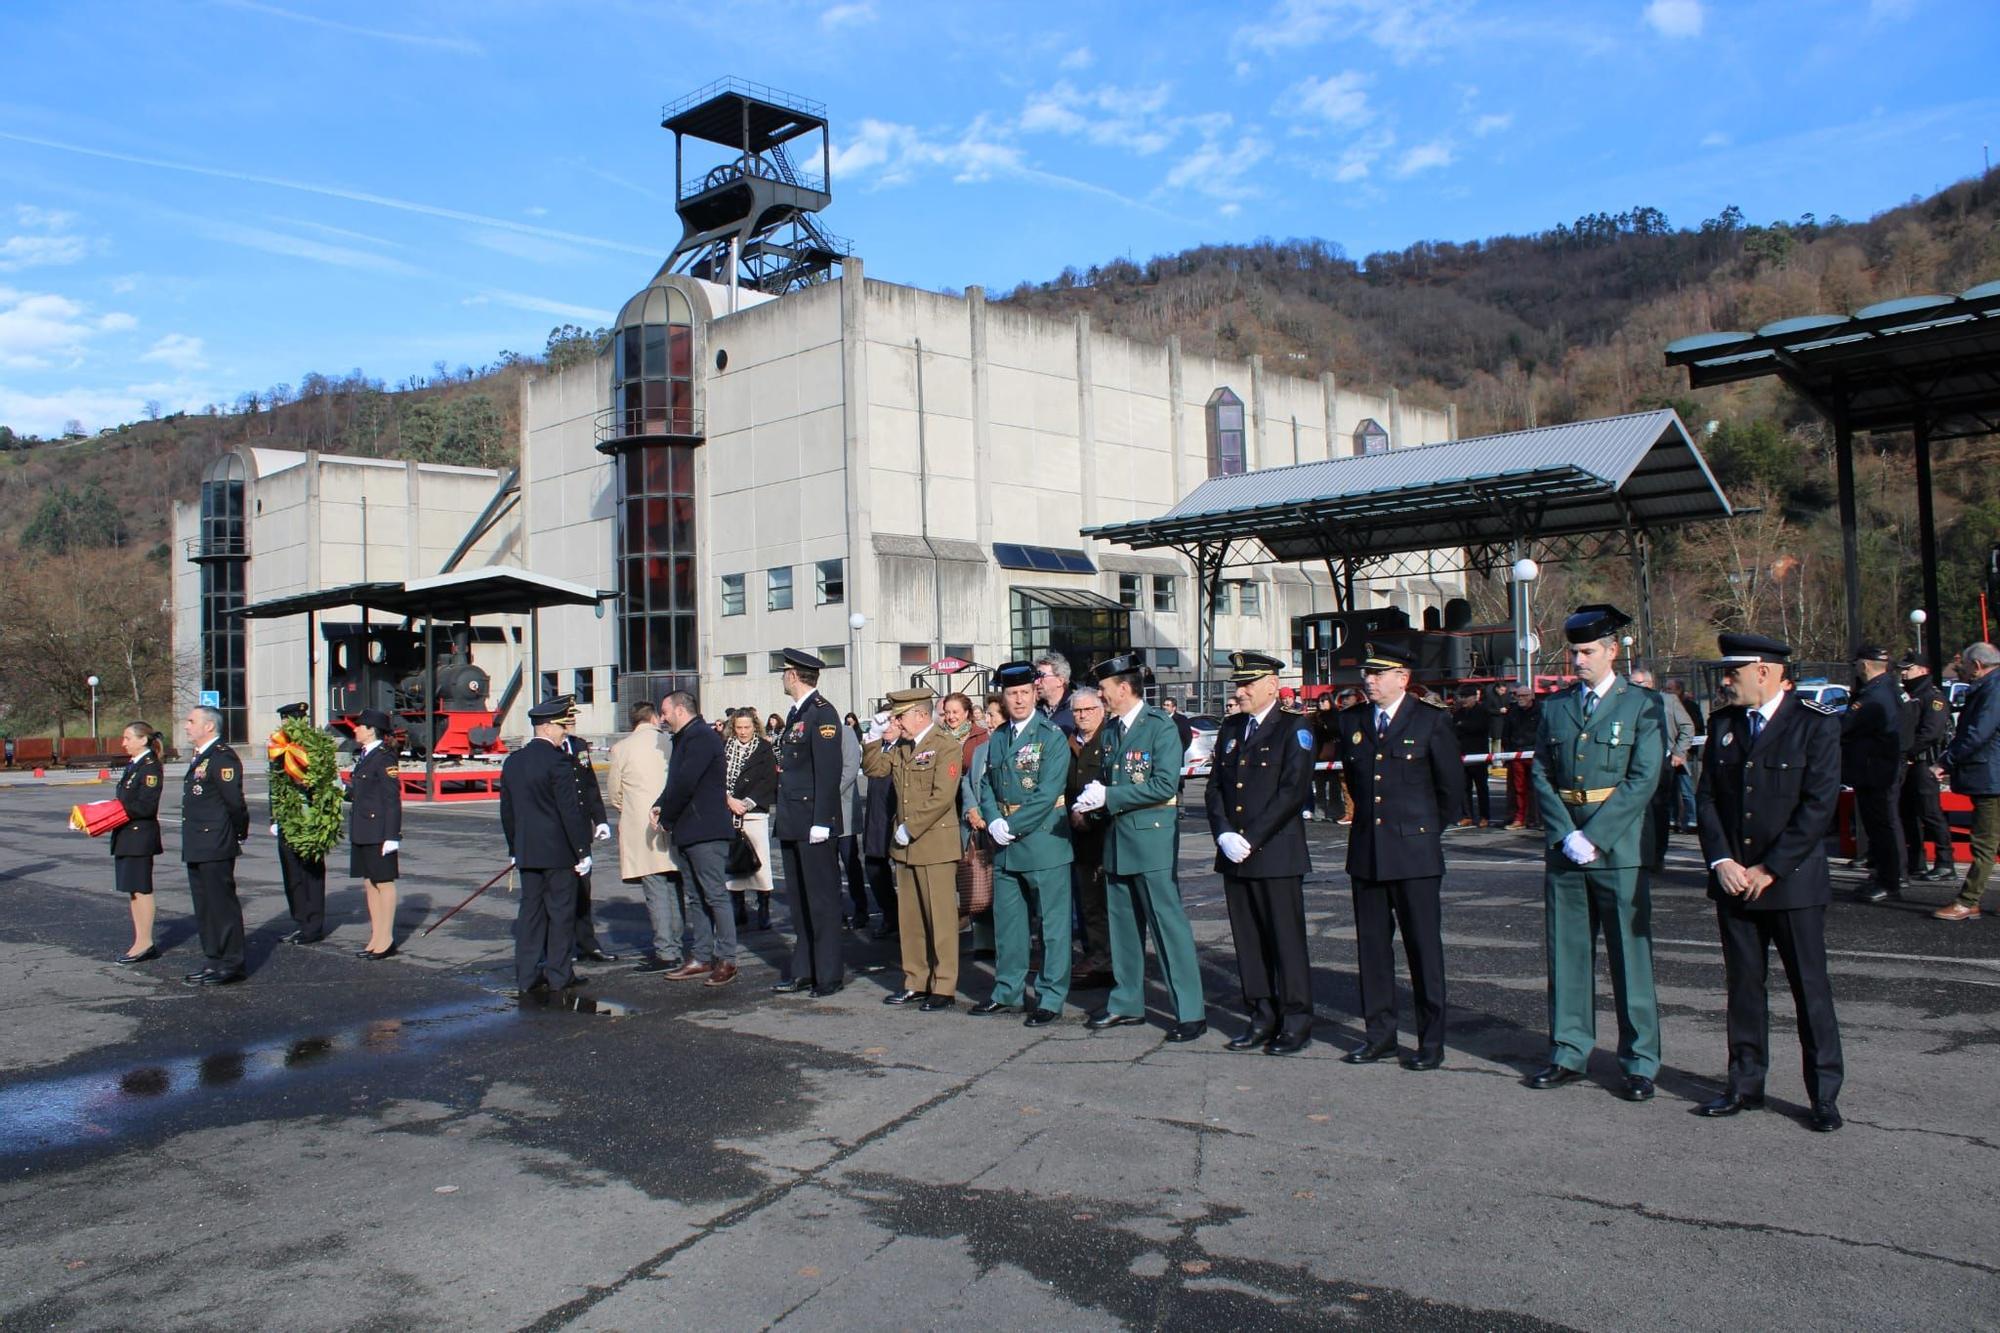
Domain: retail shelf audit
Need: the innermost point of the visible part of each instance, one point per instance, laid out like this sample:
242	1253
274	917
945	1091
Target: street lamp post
92	681
1917	619
855	624
1525	572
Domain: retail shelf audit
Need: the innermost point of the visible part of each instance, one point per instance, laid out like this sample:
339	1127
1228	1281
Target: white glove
819	833
602	832
512	861
274	830
1001	833
875	727
1090	798
583	866
902	835
1234	846
390	846
1579	849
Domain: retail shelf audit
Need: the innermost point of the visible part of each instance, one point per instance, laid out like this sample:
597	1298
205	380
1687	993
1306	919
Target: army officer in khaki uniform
923	762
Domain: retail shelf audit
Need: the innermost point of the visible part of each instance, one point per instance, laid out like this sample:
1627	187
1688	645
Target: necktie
1589	702
1114	732
1250	729
1381	723
1756	726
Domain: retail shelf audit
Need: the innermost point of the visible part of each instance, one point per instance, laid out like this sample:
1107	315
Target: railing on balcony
618	427
198	549
731	172
756	92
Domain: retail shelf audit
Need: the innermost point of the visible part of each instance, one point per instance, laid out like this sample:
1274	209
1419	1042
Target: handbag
743	858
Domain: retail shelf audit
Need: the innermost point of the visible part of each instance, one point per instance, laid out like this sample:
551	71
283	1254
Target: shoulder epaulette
1825	709
1435	702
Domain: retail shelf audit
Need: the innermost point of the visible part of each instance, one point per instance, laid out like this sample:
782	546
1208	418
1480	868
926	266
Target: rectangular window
1251	598
732	594
1167	659
735	664
834	655
1223	592
775	663
586	685
1128	591
915	655
962	651
1165	592
831	582
551	685
778	595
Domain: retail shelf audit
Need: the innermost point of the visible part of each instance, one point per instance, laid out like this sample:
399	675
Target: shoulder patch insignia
152	779
828	733
391	771
229	775
1824	710
1305	739
1937	705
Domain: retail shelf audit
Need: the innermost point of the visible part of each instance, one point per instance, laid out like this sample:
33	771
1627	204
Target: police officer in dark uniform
807	825
375	829
591	798
1926	729
1400	758
548	839
1871	762
214	823
1770	785
1257	793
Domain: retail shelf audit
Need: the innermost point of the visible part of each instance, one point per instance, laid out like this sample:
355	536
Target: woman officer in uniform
375	830
136	842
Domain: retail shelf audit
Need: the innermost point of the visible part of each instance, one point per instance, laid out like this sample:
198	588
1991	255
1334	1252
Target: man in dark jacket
695	806
1973	758
807	825
214	823
1472	724
1926	729
1769	789
878	824
1086	833
548	840
1400	757
1871	762
591	798
1257	791
1517	735
1052	690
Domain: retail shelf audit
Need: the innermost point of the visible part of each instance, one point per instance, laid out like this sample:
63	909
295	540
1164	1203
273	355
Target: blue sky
199	197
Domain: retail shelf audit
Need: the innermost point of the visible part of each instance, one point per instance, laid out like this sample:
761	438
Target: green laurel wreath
309	816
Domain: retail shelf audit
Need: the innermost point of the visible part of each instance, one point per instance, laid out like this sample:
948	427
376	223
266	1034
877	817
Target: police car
1822	691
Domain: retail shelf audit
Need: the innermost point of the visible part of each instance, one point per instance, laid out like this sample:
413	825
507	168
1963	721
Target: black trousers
1093	914
545	927
1329	797
812	891
217	913
305	890
1267	918
882	884
1381	907
1923	817
583	934
1800	935
1478	794
857	877
1876	806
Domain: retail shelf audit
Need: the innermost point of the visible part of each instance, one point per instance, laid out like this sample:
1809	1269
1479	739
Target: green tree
570	344
69	521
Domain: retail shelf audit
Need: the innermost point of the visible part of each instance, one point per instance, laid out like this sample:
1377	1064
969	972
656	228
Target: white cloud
1425	157
1715	139
1890	11
1357	159
541	305
894	154
40	330
1675	18
1217	168
1406	29
534	249
43	219
1230	210
1492	124
458	44
1110	116
855	15
47	413
177	351
1338	99
46	241
1079	59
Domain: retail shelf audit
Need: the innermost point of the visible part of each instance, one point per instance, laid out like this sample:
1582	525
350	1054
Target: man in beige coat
645	852
924	762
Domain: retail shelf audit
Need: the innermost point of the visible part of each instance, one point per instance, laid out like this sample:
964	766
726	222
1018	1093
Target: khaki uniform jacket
925	775
638	772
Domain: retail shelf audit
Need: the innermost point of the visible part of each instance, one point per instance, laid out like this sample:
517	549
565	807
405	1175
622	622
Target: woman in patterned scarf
750	776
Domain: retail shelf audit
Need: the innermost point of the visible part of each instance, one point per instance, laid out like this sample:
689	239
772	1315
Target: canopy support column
431	719
312	668
1933	632
1642	579
1850	532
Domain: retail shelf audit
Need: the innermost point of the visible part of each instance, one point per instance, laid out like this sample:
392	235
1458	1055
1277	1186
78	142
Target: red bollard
39	773
104	775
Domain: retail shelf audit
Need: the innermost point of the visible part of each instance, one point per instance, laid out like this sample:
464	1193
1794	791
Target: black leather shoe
389	952
988	1007
793	986
1370	1053
363	951
1104	1018
1873	893
224	978
1257	1034
1553	1076
1638	1088
126	960
652	962
595	956
1421	1062
195	978
821	992
933	1003
1041	1018
1940	872
1729	1103
576	979
1825	1118
904	996
1289	1043
1188	1031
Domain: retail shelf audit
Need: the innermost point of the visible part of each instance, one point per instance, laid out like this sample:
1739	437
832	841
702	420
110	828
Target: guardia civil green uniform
1597	767
1141	778
1022	777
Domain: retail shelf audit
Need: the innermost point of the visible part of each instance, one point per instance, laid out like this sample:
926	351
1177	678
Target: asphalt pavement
344	1144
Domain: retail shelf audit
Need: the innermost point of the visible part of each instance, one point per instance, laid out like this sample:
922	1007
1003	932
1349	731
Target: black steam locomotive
1448	650
382	666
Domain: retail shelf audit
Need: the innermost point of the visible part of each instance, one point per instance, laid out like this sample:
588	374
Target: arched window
1225	433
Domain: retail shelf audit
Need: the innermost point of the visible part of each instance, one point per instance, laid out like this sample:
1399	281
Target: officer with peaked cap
1258	789
1926	730
1770	784
807	824
375	829
1871	762
1598	754
304	876
922	762
1021	793
591	797
1140	793
548	839
1405	775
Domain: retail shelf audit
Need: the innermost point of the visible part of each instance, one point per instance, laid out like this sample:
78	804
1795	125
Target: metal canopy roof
1076	599
457	596
728	109
1883	367
1616	473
